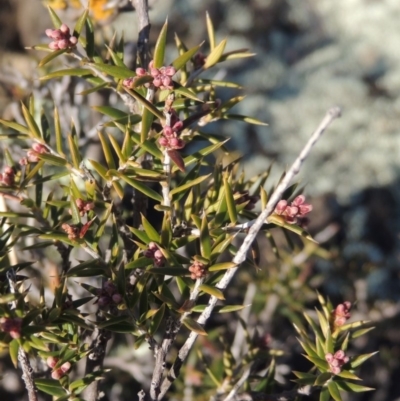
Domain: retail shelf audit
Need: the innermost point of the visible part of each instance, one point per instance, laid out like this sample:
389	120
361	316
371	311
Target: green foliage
135	278
330	339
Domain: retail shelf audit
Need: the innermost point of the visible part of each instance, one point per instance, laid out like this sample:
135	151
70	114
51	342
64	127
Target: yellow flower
98	8
63	4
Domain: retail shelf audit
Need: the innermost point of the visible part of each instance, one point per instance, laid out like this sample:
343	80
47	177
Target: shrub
149	238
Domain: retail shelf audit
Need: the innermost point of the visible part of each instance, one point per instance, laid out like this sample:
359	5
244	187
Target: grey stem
142	10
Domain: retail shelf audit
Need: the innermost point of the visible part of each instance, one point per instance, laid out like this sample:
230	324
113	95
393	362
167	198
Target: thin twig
95	359
240	257
22	356
165	185
161	352
238	342
239	384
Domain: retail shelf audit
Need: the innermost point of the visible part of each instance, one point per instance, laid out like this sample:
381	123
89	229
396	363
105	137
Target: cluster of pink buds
84	206
108	295
162	77
153	252
170	136
11	326
76	231
336	361
32	154
340	315
294	212
72	230
62	38
7	177
198	270
58	373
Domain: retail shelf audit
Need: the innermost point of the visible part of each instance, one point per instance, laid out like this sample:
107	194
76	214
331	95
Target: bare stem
142	9
27	374
239	258
239	341
22	356
240	382
94	362
165	185
161	352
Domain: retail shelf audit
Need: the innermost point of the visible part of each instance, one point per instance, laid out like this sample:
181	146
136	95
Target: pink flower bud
178	126
281	206
153	246
340	321
154	72
128	82
110	287
103	301
141	72
305	209
79	203
157	82
63	44
174	142
7	179
65	367
39	148
166	81
163	141
14	333
299	200
170	71
117	298
89	206
177	143
64	28
335	370
49	33
57	374
339	354
55	34
167	131
11	326
336	361
73	40
292	211
51	361
159	262
54	46
158	254
32	156
347	305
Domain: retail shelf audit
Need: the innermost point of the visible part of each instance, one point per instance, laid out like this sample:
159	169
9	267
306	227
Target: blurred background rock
311	54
